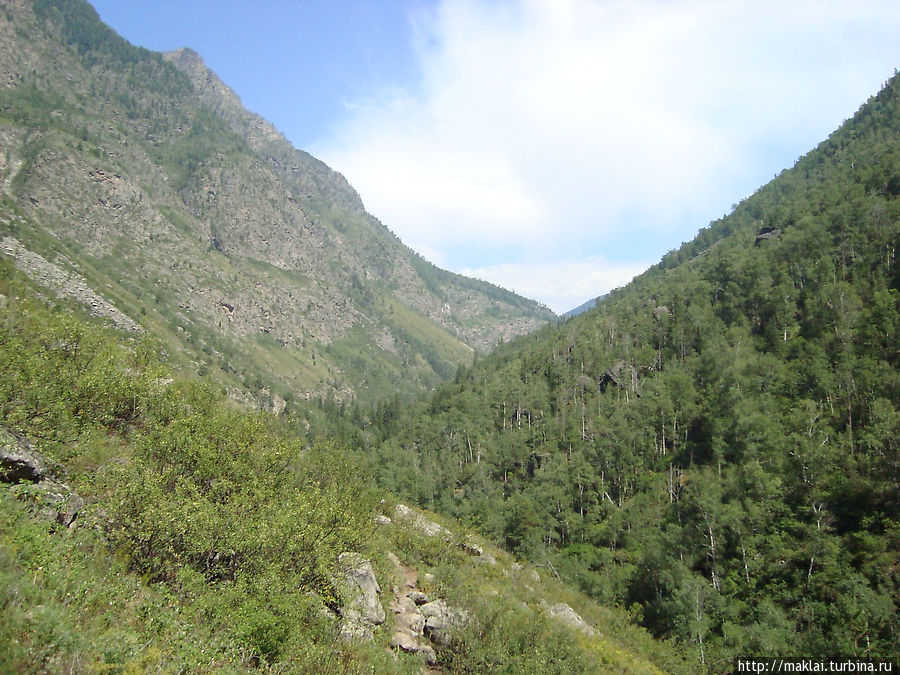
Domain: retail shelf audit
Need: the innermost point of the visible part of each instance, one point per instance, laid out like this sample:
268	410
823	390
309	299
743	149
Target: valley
243	427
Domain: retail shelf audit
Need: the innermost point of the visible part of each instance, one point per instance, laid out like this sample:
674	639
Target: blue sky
555	147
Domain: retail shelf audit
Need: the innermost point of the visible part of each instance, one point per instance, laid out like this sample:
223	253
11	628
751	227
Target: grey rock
439	629
562	612
418	597
436	608
362	591
441	621
20	463
429	654
65	283
414	622
405	640
409	643
19	460
50	501
354	629
407	604
69	506
767	233
418	521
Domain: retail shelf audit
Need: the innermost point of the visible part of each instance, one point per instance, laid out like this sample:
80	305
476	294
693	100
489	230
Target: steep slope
196	218
147	524
715	445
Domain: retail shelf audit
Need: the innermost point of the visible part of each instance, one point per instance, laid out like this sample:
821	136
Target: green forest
715	447
208	538
705	465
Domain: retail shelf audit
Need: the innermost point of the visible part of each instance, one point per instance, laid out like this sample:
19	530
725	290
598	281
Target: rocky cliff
253	261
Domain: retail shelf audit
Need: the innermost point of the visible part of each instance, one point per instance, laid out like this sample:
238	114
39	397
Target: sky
554	147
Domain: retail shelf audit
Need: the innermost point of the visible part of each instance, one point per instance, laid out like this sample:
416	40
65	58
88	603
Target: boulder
441	621
621	374
414	622
427	527
403	604
363	610
418	597
353	628
429	654
64	504
404	640
410	644
22	465
562	612
50	500
767	233
19	461
436	608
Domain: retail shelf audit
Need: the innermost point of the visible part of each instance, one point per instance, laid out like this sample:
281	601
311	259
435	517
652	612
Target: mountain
710	453
583	307
715	445
147	523
160	245
142	177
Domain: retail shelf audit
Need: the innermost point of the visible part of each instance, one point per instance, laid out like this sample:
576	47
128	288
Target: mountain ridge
714	445
240	247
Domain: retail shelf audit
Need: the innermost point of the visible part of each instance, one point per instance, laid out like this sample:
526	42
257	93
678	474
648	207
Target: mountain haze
145	176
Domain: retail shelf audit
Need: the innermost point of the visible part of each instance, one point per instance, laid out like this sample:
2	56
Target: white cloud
562	285
563	129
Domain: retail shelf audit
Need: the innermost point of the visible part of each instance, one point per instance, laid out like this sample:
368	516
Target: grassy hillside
171	530
714	446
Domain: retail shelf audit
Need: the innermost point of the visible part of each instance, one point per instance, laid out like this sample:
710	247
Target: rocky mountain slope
255	262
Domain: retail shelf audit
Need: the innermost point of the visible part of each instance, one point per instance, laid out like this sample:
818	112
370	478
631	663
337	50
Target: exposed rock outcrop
562	612
621	374
420	622
441	621
475	549
50	500
23	467
767	233
363	610
65	283
19	460
428	527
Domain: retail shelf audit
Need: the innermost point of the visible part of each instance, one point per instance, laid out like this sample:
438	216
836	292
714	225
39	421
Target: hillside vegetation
715	446
704	465
171	531
255	263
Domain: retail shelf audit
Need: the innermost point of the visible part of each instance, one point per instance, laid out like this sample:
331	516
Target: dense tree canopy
715	445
